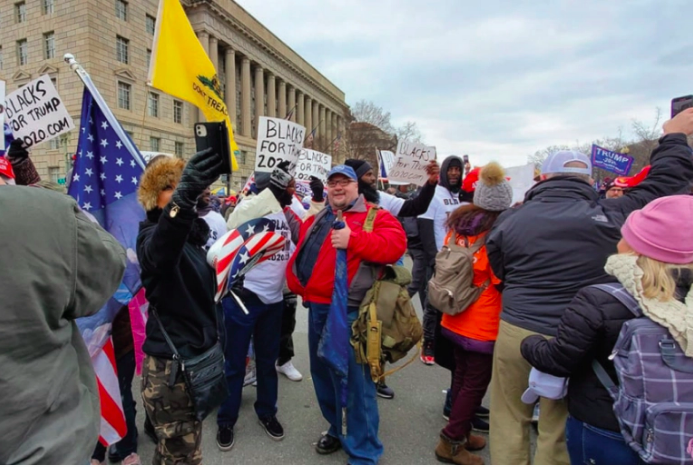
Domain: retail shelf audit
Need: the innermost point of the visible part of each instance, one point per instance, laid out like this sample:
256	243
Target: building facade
112	40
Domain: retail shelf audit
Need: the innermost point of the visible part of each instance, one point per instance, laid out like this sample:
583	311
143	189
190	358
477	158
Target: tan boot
464	457
446	449
475	443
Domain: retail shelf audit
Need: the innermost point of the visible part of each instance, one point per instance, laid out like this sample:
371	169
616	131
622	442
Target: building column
308	115
292	103
316	121
259	95
271	96
282	99
204	40
230	97
301	109
245	97
214	52
323	127
328	131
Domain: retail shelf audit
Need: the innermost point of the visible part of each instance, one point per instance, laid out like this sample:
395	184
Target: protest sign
303	189
612	161
410	163
2	115
313	164
521	180
278	140
36	113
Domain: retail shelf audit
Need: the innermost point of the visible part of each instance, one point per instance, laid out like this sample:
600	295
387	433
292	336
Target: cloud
496	79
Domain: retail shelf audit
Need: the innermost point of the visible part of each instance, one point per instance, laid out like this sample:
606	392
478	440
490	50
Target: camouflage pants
171	413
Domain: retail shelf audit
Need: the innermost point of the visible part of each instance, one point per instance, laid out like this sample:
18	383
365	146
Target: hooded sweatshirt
446	199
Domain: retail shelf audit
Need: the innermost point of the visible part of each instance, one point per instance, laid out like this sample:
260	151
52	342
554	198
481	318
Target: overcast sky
497	80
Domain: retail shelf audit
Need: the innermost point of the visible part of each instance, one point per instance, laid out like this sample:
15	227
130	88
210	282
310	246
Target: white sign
387	160
521	180
36	113
278	140
2	115
410	164
313	164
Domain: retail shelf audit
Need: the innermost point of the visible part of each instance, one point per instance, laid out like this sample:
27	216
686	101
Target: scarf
677	317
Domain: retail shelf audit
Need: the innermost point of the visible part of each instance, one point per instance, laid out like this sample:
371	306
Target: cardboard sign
386	161
612	161
2	115
521	180
278	140
410	163
313	164
36	113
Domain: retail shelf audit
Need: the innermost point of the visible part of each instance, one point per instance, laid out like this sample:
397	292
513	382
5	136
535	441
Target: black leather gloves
200	172
318	189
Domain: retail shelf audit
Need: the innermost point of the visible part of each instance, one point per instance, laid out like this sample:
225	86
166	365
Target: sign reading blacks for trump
410	163
278	140
36	113
313	164
612	161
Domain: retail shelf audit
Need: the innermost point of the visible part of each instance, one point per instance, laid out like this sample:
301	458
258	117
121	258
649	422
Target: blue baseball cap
556	163
342	170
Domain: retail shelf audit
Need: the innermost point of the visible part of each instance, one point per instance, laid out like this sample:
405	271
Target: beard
369	192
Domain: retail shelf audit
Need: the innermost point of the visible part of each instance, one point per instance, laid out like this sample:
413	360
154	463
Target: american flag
104	182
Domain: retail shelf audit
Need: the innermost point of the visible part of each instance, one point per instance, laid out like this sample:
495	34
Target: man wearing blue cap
546	250
311	274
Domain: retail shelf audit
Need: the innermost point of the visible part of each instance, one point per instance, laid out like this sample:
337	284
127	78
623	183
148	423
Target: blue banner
612	161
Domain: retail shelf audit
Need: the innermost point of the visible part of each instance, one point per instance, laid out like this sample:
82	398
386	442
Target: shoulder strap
481	241
605	379
619	292
173	348
370	219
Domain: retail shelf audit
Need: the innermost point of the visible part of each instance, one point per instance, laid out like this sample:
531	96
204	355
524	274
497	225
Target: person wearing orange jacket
311	274
473	331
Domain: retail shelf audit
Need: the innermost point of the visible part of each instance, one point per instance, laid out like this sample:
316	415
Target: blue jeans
263	325
361	443
589	445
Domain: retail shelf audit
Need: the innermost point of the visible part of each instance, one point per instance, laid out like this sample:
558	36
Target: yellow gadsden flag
181	67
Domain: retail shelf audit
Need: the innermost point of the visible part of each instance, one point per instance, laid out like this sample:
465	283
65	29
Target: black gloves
16	152
318	189
200	172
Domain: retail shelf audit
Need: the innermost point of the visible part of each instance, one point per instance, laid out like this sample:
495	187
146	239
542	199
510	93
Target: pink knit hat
662	230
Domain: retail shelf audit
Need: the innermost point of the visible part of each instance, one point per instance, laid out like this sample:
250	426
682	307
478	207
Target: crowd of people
536	292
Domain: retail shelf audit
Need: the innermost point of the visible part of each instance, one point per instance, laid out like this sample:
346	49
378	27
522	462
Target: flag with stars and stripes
104	181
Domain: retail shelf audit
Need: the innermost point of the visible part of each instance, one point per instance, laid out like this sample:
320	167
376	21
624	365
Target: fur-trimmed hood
161	172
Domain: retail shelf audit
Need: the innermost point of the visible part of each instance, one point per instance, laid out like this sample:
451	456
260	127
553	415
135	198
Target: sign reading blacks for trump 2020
313	164
278	140
410	163
612	161
36	113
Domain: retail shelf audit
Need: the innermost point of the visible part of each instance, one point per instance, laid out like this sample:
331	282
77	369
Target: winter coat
384	245
557	242
57	266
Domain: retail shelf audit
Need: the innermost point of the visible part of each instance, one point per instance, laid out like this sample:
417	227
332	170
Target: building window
49	45
48	7
242	157
151	24
22	52
124	91
122	49
154	144
55	82
180	149
153	104
177	111
54	174
149	58
121	8
20	12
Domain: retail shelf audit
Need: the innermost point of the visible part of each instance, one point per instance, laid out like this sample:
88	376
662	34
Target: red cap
636	179
6	168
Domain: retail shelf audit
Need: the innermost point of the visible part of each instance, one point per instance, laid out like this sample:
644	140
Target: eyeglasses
341	182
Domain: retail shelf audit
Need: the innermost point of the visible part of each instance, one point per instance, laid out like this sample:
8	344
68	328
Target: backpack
451	289
387	327
654	400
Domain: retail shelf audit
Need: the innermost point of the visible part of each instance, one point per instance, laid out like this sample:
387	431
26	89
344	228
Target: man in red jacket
310	274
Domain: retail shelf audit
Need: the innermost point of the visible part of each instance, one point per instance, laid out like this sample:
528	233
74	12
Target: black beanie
360	167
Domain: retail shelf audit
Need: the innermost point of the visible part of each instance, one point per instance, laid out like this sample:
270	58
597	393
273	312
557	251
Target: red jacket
384	245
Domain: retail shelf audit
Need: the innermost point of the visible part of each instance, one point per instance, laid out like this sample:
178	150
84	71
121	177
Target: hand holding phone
214	135
680	103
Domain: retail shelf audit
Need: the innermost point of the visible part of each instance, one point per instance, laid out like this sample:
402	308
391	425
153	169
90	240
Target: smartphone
214	135
465	158
681	103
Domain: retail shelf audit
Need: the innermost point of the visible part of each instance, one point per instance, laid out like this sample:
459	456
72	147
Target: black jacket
179	283
558	241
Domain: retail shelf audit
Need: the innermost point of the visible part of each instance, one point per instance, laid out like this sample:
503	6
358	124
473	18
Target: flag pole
86	79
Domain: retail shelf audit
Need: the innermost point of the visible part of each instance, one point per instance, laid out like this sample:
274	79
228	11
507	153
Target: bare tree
408	132
368	112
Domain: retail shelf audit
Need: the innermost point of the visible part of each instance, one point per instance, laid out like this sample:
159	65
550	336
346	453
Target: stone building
112	40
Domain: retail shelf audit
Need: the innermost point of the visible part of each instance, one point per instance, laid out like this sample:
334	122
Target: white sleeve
432	210
391	204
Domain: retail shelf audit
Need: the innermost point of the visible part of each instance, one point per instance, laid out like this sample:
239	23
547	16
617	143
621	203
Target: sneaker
289	370
250	376
482	412
132	459
327	445
480	425
272	427
427	354
225	438
446	415
384	391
